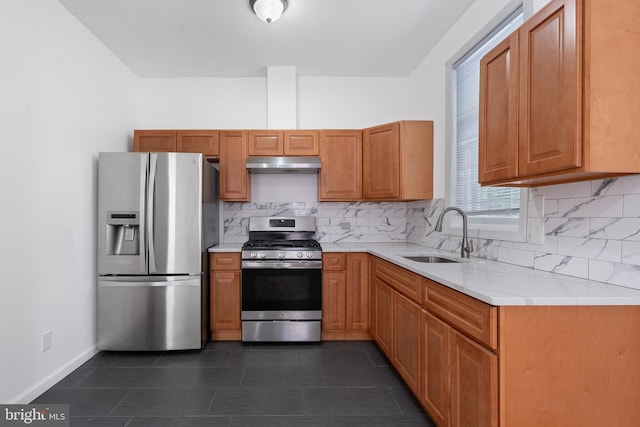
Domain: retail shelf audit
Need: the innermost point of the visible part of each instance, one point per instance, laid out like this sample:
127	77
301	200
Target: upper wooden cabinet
341	173
576	96
235	184
198	141
266	143
398	161
301	142
182	141
498	141
154	140
279	143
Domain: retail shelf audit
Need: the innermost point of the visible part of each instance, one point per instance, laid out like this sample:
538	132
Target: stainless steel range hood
283	164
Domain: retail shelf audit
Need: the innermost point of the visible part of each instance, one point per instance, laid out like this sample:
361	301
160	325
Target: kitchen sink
429	258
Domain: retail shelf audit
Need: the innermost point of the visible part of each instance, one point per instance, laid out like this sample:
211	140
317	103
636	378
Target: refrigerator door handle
142	241
151	190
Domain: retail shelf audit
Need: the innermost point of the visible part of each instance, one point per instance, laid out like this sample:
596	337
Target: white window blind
477	201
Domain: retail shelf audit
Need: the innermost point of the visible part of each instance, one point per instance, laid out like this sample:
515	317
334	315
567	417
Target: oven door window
281	289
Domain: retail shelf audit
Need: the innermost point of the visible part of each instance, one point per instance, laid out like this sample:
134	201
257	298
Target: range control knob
309	254
280	254
263	254
254	255
299	254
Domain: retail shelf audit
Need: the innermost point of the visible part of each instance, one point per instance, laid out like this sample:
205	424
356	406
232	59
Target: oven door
281	290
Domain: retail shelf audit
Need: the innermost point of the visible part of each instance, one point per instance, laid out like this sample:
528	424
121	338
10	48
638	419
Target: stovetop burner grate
280	243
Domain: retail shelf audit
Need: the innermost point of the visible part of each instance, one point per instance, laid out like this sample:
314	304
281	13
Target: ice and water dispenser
123	233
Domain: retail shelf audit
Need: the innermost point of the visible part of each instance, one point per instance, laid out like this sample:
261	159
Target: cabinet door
550	91
301	143
225	300
474	383
357	291
341	172
266	143
154	140
384	316
406	340
334	291
381	162
234	177
435	386
498	135
198	141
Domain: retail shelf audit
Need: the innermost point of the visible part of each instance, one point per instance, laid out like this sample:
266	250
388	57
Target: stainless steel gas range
281	280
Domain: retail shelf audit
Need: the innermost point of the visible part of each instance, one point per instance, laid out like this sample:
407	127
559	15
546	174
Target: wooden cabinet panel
435	379
398	161
301	143
198	141
474	383
471	316
225	261
498	135
334	261
154	140
358	291
234	177
381	161
340	177
550	80
402	280
266	143
569	365
225	300
224	296
406	342
383	310
334	304
345	296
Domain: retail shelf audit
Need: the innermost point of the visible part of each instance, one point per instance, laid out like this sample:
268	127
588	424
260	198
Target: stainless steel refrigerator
157	216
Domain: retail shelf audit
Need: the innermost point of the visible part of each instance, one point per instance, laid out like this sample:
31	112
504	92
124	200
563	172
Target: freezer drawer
136	314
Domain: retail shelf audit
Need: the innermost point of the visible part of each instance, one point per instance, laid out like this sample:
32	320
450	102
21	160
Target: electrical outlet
345	226
45	341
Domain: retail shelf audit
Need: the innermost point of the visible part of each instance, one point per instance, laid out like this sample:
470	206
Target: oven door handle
254	265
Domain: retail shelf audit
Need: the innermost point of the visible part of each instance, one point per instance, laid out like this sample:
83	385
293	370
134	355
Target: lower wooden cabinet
383	316
397	322
345	296
435	383
224	294
406	340
474	383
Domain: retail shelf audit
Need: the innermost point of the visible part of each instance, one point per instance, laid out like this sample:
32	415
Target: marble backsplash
591	229
336	221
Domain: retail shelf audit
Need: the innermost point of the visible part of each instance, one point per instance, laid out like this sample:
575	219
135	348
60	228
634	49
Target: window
493	212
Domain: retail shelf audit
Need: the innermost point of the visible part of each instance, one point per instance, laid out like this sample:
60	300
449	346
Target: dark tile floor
234	384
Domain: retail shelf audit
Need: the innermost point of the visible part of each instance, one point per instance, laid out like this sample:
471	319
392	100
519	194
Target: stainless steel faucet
466	247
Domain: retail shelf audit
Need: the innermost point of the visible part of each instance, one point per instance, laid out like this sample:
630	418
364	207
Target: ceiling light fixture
268	10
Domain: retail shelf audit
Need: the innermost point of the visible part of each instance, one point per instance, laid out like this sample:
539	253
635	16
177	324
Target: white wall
65	97
201	103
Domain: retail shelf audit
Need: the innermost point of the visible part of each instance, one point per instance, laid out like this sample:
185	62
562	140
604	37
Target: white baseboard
54	377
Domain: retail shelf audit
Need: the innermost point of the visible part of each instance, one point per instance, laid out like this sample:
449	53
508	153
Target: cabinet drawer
334	261
403	281
469	315
224	261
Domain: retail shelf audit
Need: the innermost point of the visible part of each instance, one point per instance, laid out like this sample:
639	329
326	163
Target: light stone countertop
493	282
